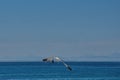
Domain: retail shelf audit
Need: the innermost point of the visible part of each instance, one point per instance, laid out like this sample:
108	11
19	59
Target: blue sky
78	30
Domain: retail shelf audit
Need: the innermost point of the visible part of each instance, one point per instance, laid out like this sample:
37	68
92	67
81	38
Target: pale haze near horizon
80	30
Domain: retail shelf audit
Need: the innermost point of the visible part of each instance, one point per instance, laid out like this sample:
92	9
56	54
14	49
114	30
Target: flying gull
57	59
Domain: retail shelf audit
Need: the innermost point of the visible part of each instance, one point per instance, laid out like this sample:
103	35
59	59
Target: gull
57	59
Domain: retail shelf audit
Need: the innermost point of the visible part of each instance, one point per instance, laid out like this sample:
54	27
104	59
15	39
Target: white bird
53	59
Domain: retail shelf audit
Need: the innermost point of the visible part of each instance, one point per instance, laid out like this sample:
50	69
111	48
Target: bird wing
66	65
49	59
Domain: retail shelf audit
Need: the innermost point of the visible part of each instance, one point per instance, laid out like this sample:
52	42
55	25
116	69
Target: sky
75	30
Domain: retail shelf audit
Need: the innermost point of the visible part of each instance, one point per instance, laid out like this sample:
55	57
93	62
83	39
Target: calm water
57	71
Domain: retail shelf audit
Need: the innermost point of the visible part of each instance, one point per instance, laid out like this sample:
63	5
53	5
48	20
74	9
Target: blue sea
57	71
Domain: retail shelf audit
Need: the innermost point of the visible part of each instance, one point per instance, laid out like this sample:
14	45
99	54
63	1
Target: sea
57	71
